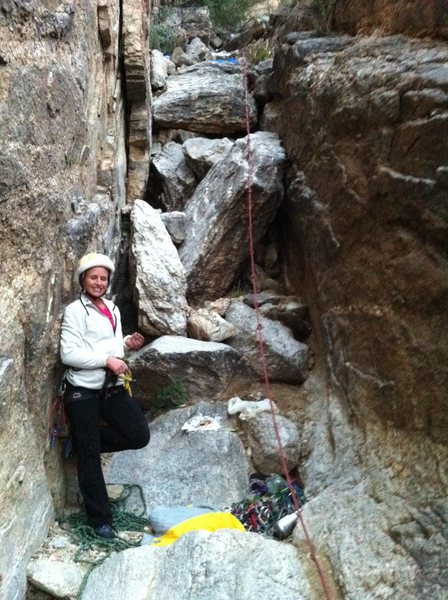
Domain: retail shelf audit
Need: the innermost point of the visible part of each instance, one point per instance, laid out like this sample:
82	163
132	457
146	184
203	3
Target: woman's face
96	281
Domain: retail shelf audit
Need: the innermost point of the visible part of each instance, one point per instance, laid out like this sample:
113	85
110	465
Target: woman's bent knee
142	439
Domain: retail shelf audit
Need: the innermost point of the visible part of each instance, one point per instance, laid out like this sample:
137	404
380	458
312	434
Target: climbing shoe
105	531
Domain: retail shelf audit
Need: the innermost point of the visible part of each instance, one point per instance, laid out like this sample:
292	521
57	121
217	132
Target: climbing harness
261	345
123	519
58	423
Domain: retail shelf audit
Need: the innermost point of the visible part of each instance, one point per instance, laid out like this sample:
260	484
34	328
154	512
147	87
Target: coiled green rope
123	520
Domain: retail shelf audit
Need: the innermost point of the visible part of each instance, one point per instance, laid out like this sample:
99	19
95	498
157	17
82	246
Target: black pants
98	425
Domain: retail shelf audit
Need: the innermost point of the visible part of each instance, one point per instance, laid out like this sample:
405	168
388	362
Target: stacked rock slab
216	246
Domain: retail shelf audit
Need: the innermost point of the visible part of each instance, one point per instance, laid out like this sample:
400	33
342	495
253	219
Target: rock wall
63	169
367	202
418	18
364	123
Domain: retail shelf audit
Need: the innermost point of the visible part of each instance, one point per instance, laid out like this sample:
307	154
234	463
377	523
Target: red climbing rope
263	359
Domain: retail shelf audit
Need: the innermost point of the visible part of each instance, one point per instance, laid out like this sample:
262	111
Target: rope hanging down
262	351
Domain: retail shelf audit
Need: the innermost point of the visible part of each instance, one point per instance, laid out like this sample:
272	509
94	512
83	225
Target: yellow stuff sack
209	521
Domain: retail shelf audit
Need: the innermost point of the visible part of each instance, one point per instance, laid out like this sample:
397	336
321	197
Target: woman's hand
116	365
135	341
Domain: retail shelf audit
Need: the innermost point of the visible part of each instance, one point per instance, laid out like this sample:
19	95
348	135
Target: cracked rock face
371	216
366	241
62	171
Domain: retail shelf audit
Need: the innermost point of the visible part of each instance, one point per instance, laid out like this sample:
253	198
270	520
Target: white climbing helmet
93	259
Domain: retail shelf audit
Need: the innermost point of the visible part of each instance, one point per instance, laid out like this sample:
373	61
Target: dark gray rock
202	153
193	369
297	36
175	224
287	359
175	175
252	31
262	439
197	50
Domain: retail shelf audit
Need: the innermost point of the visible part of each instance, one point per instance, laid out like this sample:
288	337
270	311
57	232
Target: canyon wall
63	169
367	208
422	18
364	122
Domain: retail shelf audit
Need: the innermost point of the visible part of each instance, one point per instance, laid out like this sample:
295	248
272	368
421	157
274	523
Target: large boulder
160	66
178	467
197	50
176	177
208	566
206	99
289	310
208	325
158	275
202	153
262	439
192	369
217	214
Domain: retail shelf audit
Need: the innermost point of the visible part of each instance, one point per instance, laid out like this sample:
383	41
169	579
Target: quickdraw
58	425
127	380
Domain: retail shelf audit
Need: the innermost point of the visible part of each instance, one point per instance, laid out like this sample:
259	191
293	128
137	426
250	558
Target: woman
103	416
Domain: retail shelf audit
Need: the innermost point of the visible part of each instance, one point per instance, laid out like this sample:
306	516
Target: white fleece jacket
87	340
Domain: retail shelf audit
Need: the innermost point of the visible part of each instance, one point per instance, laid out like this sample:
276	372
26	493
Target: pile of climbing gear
270	500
